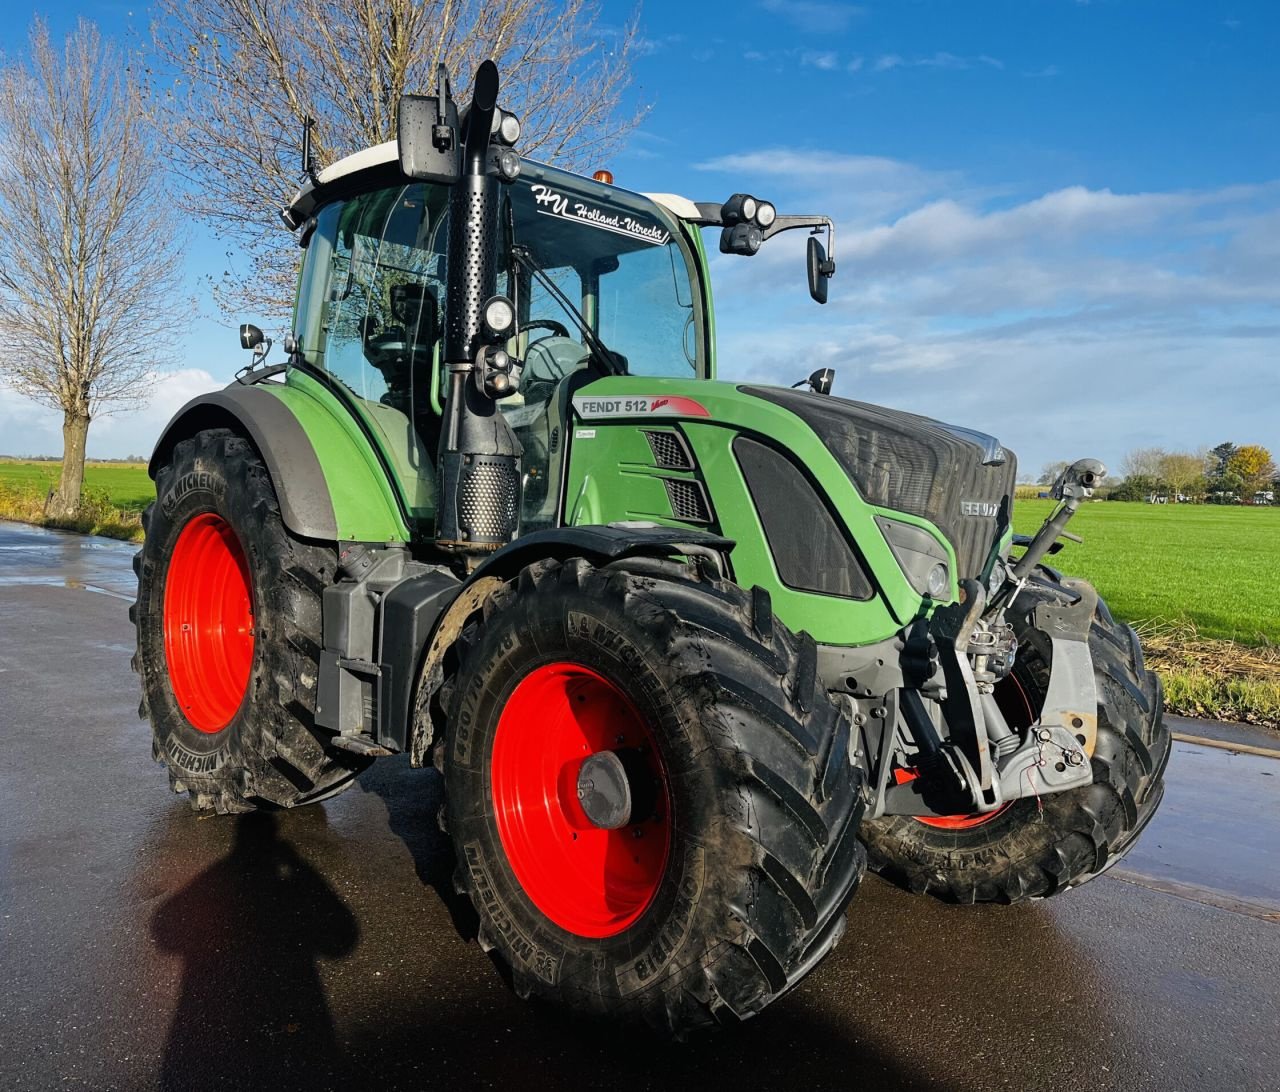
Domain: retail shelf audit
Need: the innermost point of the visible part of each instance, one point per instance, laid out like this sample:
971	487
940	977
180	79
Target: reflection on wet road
142	946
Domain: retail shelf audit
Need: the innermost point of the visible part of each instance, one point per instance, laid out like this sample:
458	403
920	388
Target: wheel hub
617	787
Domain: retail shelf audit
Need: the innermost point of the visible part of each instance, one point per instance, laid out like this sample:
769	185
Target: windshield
618	261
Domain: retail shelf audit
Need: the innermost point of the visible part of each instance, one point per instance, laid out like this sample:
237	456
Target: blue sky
1057	221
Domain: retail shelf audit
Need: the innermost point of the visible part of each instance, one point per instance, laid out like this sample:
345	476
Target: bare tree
250	72
1050	472
1142	462
88	243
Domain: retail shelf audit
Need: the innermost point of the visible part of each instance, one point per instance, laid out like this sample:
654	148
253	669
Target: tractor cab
602	282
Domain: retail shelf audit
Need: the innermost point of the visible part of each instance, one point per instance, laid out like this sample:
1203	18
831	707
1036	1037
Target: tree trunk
66	500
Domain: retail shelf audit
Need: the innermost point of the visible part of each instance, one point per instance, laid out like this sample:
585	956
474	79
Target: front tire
729	878
229	636
1035	848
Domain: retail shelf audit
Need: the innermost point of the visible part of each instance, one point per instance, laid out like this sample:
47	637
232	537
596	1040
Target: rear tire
229	637
1021	852
753	854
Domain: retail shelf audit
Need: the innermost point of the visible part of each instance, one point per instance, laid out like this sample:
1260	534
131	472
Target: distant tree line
1227	474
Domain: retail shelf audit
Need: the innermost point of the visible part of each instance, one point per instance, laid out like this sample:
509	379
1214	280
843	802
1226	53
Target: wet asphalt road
144	947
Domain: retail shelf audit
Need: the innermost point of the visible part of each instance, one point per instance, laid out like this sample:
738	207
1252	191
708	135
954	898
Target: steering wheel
556	328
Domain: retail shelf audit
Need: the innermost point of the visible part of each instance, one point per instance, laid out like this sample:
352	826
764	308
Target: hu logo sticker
565	207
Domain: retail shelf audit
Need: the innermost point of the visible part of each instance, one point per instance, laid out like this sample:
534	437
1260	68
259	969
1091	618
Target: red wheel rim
208	622
589	881
968	822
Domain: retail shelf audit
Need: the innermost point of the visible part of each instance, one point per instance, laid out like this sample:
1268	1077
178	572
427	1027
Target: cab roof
380	164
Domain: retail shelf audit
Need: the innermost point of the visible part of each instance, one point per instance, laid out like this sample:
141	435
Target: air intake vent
487	502
688	501
670	450
810	550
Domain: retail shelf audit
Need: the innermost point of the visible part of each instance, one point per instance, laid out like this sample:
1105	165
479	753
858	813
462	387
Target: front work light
499	316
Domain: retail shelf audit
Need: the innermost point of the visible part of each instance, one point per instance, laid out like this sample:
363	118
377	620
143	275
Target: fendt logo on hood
640	405
979	508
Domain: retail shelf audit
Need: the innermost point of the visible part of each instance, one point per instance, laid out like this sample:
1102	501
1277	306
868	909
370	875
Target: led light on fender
766	214
939	582
996	580
499	315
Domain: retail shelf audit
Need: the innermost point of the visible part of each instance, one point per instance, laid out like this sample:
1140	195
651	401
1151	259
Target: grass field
112	502
1215	567
126	484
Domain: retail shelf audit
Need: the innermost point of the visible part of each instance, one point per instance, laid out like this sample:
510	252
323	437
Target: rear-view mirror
819	269
428	139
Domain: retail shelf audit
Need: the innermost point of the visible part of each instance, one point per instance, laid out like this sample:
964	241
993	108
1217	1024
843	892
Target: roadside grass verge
1204	677
97	514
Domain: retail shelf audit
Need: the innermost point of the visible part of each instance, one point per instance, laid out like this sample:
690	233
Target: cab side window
371	312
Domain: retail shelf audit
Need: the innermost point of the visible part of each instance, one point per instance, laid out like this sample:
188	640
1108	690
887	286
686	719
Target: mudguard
598	544
330	490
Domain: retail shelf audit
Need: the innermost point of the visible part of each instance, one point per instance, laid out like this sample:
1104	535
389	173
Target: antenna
308	163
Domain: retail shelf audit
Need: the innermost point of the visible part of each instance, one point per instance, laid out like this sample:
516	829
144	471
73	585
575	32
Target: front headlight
997	578
923	558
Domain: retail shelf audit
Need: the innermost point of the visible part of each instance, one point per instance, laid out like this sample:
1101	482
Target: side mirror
427	134
250	336
822	379
820	269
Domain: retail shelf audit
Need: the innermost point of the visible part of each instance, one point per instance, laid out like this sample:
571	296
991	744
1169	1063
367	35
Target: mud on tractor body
688	654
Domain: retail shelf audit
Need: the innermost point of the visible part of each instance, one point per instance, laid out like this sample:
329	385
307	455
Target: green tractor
688	655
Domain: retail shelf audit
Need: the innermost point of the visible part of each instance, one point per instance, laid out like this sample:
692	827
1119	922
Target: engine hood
959	479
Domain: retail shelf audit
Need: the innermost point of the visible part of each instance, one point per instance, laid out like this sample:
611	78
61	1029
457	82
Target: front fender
600	545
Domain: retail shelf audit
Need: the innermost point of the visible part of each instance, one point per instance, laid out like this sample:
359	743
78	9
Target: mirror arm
710	215
815	224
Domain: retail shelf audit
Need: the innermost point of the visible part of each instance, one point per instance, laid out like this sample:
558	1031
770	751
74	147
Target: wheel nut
1076	758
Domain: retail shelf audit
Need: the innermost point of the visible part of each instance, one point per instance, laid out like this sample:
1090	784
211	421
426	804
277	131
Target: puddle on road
38	557
52	582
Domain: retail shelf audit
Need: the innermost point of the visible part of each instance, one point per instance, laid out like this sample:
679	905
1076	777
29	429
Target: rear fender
332	491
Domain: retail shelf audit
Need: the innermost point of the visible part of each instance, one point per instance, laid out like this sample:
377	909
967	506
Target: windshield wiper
608	360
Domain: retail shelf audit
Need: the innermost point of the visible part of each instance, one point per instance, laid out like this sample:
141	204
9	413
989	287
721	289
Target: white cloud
951	62
813	15
826	61
871	187
30	429
1078	321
